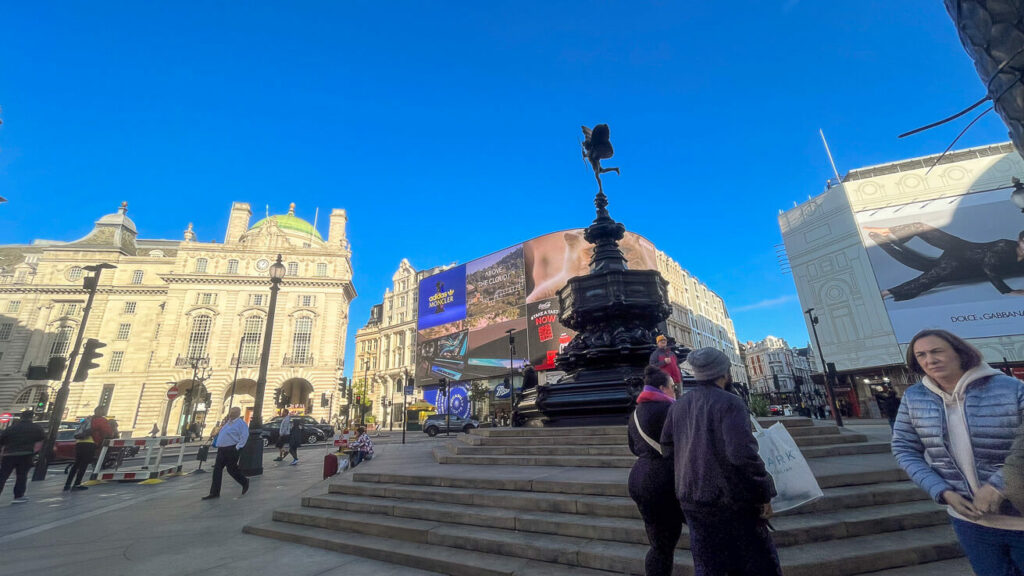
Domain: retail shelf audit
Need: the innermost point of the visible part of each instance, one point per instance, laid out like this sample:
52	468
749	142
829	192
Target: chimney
336	233
238	222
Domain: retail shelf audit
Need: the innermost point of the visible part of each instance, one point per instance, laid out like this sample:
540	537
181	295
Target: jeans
85	453
714	538
991	551
20	465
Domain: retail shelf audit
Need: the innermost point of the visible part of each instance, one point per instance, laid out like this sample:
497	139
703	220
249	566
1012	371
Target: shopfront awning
421	406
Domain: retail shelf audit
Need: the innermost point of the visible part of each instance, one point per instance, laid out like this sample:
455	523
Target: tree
478	392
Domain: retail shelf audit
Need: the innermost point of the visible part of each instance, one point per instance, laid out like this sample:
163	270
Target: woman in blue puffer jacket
952	435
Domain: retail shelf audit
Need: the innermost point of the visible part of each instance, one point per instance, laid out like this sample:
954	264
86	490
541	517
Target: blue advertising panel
458	399
442	298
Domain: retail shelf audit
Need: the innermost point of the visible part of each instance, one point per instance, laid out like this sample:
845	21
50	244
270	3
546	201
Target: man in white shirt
229	442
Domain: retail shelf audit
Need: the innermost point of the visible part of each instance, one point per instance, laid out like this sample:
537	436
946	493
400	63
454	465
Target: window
302	338
137	276
401	300
403	285
32	259
199	336
156	253
401	317
116	358
201	266
321	269
207	298
129	308
70	309
14	306
293	268
252	333
26	396
307	301
124	331
256	299
232	266
21	275
74	273
61	341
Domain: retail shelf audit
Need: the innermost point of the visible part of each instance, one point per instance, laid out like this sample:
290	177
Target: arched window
252	334
61	341
199	336
201	266
75	273
26	396
302	339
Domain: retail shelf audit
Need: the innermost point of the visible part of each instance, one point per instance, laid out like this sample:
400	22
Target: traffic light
44	399
323	399
55	368
358	398
285	399
89	358
208	399
342	384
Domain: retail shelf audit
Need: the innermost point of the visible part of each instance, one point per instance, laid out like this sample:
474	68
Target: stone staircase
554	501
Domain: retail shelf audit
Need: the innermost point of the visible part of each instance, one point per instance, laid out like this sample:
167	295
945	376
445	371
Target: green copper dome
290	221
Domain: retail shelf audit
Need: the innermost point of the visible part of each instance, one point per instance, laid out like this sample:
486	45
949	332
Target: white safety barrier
152	469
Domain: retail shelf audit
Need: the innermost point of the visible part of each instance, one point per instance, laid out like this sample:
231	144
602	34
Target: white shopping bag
794	481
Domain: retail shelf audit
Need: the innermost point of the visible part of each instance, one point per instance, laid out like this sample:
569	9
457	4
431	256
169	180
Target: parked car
437	423
313	431
775	410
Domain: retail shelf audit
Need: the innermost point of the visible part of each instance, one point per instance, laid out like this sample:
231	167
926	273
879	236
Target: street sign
172	393
408	390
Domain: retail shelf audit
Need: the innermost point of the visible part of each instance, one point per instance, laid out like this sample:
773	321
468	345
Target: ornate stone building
168	301
775	369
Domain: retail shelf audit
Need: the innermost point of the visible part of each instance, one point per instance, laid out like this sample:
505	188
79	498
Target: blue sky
450	130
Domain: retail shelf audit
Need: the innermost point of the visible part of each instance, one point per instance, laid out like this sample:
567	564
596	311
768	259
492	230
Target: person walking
721	483
229	443
888	405
651	481
18	443
953	434
295	440
284	432
664	359
89	436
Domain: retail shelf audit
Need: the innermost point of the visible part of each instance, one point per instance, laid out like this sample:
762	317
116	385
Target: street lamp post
511	376
199	365
238	362
824	370
251	461
57	412
405	398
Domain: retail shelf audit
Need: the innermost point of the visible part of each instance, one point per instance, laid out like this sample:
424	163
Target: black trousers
227	457
731	543
20	465
293	447
652	487
85	453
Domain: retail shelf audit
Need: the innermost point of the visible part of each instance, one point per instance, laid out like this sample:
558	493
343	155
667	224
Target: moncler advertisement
953	263
442	298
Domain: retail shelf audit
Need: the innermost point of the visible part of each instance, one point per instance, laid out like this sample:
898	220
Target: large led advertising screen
464	328
953	263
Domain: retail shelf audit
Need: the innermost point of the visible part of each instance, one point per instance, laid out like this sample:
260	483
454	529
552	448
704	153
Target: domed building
186	313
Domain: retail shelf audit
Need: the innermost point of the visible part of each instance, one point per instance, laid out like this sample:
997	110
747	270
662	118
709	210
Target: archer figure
597	147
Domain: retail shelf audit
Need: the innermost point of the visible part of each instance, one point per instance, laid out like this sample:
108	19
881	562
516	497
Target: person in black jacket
721	482
18	444
651	479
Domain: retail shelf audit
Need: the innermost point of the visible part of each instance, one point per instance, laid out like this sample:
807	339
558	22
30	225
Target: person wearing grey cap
721	482
18	444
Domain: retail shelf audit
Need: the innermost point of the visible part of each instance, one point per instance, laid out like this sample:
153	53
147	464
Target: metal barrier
152	468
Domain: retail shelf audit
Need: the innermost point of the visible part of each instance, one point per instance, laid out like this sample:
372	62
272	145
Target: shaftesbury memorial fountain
615	312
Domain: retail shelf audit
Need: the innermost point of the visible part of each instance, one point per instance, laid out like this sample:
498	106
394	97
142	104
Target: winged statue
596	147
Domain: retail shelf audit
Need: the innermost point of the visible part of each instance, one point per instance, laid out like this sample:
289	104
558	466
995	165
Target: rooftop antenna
313	231
268	210
830	159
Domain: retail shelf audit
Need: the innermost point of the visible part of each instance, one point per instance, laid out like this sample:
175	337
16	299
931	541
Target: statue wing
586	134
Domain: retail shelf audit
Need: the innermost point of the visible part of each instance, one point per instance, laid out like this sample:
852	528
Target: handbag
795	484
657	447
84	429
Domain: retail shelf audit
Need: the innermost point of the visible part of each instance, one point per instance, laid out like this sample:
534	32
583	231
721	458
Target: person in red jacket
665	360
87	446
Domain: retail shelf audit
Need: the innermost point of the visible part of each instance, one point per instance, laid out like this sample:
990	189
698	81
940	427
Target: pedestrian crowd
957	433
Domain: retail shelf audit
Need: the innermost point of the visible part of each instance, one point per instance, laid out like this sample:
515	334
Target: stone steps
469	445
603	457
851	497
790	530
955	567
846	556
415	555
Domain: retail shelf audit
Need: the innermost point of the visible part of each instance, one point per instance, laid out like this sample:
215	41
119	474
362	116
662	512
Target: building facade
777	371
844	269
169	303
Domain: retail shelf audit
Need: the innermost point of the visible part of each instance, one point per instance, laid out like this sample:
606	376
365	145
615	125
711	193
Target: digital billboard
953	263
513	289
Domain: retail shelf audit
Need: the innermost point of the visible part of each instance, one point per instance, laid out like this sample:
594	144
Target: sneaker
278	459
21	500
211	496
80	487
295	462
245	488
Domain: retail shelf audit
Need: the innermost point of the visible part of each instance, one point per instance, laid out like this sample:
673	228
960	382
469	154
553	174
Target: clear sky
449	130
